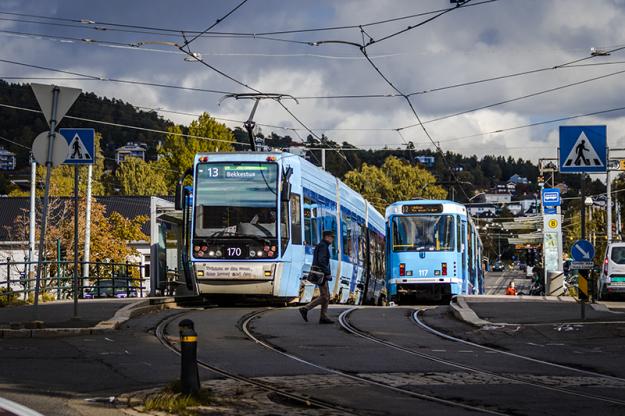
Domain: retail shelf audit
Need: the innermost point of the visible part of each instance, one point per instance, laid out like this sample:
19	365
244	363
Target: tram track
306	401
419	322
349	327
245	328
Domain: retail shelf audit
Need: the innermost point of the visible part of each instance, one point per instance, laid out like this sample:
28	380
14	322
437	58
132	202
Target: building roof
127	206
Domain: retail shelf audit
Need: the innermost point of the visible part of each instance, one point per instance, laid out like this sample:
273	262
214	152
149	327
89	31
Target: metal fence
105	279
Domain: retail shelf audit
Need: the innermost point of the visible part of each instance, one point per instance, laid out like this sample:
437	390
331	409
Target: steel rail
419	322
348	326
246	330
160	334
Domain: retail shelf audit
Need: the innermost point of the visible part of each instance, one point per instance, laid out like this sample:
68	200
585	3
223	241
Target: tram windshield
236	200
423	233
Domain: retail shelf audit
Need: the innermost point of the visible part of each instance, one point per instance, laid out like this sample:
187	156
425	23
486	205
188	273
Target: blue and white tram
254	219
433	251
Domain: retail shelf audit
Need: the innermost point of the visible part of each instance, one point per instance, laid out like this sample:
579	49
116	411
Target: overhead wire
174	31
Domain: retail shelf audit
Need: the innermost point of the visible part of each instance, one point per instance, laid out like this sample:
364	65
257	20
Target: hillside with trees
168	155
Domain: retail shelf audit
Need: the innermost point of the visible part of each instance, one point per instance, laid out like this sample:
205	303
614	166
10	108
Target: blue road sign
551	210
81	146
582	250
583	149
551	197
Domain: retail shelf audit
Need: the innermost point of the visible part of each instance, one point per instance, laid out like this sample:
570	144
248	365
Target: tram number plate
233	252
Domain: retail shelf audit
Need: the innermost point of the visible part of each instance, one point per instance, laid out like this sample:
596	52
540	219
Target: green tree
179	151
137	177
62	177
394	181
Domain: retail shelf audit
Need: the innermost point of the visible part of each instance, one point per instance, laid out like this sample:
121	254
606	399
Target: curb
122	315
463	312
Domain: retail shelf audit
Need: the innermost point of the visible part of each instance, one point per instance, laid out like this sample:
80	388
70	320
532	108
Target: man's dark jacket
321	258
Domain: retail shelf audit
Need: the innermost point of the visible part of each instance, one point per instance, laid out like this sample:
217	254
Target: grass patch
171	400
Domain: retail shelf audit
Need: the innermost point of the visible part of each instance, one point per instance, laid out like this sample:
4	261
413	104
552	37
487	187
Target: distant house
131	149
497	198
518	180
481	210
427	161
516	208
7	159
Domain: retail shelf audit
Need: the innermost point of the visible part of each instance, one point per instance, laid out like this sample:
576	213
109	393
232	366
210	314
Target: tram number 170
234	251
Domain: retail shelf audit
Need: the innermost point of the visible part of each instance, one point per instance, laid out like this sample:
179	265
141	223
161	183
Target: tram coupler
189	375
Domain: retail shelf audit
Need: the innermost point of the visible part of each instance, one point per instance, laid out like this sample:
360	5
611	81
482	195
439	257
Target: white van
613	272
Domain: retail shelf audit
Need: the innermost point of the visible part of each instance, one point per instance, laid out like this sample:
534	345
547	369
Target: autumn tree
395	180
178	151
134	176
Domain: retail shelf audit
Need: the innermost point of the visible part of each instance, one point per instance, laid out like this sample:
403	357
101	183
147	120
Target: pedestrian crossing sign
583	149
81	146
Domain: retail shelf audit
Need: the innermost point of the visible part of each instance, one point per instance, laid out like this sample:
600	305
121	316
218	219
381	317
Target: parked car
498	266
111	288
612	278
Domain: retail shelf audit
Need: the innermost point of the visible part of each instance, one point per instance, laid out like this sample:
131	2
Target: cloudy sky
472	43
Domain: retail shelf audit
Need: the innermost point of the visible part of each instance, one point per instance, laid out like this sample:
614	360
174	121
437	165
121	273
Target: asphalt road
495	283
396	368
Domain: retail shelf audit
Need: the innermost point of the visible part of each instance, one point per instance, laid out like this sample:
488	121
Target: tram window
346	236
296	219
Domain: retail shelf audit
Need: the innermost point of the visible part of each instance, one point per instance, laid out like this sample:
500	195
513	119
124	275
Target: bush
8	297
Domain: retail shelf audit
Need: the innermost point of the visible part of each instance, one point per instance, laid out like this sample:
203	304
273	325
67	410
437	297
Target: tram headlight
252	253
259	253
211	253
218	253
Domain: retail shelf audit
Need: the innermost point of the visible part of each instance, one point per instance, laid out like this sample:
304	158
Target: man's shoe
304	313
325	320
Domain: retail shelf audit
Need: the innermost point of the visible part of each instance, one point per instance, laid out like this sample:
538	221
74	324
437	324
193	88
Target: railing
105	279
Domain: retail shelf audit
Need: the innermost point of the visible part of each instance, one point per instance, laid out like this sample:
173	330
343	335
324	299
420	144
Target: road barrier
189	375
105	279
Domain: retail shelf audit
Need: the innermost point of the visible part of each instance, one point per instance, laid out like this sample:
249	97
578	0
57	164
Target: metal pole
76	272
32	220
583	273
46	196
609	206
58	269
323	159
87	254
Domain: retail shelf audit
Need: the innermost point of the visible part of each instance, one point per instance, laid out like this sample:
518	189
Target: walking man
321	262
579	150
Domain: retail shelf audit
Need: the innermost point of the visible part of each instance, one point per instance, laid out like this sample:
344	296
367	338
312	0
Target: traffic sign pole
583	274
76	175
46	196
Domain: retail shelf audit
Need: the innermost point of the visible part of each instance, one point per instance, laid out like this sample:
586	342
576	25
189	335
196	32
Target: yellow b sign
621	164
553	223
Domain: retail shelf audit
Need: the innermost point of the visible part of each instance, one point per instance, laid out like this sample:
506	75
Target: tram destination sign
422	209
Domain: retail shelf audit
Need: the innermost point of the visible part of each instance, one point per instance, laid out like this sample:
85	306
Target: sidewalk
60	314
488	310
57	318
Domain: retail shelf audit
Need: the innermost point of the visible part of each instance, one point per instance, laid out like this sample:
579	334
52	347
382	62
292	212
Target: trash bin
555	283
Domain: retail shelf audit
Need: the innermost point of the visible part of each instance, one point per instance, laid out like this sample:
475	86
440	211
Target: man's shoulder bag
315	276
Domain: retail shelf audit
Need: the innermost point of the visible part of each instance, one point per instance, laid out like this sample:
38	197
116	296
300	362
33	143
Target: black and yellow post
189	375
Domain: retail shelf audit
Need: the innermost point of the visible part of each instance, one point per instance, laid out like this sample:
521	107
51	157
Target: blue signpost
582	252
81	146
583	149
81	152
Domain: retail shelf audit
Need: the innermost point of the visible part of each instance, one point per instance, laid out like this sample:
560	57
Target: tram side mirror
286	185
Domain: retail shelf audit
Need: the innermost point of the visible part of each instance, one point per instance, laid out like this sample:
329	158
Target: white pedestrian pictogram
583	154
77	150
